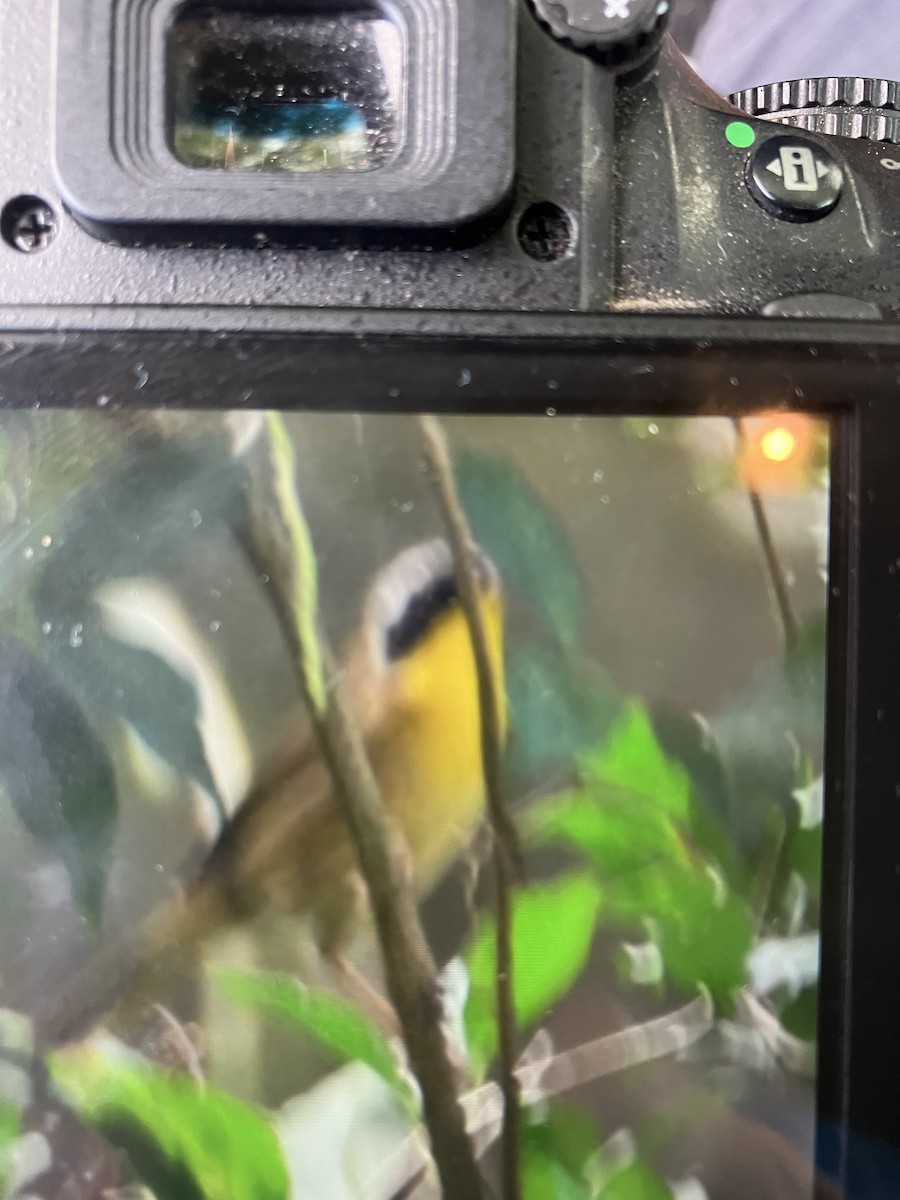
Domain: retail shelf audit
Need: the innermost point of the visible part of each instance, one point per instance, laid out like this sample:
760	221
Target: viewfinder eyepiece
296	92
284	122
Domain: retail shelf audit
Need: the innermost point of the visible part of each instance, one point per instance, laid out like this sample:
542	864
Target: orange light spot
778	445
777	452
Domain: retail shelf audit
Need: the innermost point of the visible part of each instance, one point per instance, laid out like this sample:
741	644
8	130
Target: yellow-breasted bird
409	679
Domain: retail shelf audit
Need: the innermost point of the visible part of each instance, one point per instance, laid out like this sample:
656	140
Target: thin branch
778	839
181	1044
619	1051
770	858
472	863
302	560
544	1074
776	573
507	857
409	969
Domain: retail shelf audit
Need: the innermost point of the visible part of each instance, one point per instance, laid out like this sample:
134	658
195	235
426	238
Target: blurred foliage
637	1181
560	706
633	817
632	760
557	1153
758	738
187	1140
805	858
527	541
552	932
560	702
340	1027
544	1177
157	514
103	500
49	458
56	772
800	1016
10	1125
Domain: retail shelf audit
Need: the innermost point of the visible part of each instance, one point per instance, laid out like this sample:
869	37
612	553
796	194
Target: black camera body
477	207
549	181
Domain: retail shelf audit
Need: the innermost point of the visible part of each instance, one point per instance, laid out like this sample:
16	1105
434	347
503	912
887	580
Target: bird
408	678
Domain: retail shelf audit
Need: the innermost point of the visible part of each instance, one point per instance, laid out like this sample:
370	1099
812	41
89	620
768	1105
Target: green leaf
619	831
632	759
556	1153
757	736
185	1139
10	1125
633	818
562	705
805	855
527	541
553	927
636	1182
705	936
332	1022
545	1178
684	739
703	931
801	1016
57	773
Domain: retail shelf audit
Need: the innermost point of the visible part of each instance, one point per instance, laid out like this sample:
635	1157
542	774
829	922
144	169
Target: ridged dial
855	108
619	34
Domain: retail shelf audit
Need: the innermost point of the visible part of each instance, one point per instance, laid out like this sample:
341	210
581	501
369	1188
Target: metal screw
29	224
546	232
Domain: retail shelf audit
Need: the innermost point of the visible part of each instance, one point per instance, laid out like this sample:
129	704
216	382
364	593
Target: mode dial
856	108
622	35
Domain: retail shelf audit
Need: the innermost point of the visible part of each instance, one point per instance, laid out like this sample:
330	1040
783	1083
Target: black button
795	179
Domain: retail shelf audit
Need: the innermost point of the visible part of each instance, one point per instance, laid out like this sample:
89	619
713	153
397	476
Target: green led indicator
740	134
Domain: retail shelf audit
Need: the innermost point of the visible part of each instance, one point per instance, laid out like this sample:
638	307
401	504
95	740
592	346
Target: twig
776	573
409	970
506	854
770	856
472	863
181	1043
774	845
546	1074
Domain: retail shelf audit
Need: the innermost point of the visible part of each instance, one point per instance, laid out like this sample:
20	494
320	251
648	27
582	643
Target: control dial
622	35
856	108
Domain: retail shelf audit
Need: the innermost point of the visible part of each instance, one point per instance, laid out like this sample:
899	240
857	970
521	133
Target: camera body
533	179
541	217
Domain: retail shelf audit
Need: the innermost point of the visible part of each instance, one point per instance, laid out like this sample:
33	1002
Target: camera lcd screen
285	93
654	590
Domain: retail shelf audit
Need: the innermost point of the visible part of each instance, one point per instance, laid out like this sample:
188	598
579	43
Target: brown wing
287	847
271	838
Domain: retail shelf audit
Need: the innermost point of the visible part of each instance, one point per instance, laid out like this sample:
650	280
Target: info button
795	179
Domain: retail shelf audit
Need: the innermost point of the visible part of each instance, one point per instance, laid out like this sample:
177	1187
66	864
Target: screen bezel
637	366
